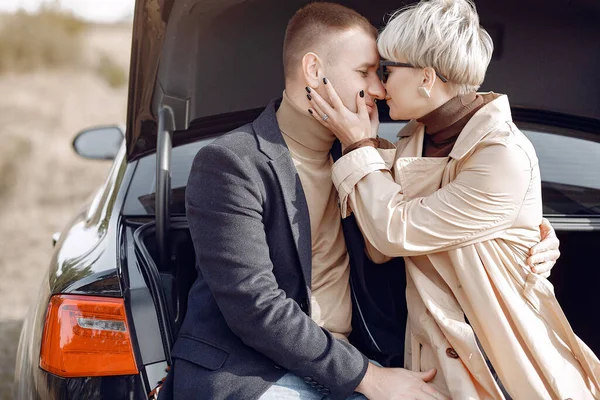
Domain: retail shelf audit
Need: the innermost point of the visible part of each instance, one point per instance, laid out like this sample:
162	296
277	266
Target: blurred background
63	68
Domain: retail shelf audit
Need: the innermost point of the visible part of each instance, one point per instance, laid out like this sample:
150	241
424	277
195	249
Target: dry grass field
42	180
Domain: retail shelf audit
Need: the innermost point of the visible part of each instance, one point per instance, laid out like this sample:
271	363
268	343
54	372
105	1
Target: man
270	313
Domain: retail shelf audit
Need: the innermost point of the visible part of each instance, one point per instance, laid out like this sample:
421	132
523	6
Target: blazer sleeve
225	213
482	201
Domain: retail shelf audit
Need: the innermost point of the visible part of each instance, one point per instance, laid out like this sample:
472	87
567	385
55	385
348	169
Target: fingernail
307	89
309	96
361	93
325	81
310	111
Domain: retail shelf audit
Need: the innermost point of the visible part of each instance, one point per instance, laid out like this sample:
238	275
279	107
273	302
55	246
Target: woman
460	198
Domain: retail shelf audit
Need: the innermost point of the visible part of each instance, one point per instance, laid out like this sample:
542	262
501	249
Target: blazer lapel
297	211
272	144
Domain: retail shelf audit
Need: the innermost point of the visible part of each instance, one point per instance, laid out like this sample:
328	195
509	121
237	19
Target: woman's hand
348	126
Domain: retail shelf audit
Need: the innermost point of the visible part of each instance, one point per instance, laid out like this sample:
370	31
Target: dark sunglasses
383	71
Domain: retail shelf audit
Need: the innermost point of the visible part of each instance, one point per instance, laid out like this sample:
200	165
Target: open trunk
575	277
215	64
206	58
169	286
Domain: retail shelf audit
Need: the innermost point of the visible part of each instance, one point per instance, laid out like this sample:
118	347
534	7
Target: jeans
292	387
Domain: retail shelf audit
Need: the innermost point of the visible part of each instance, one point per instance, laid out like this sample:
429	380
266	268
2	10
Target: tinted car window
570	168
140	197
569	164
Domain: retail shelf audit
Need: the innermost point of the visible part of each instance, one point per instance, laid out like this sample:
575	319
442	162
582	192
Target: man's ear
429	78
312	69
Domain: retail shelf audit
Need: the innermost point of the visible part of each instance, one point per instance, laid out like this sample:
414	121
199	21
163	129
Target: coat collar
496	111
270	140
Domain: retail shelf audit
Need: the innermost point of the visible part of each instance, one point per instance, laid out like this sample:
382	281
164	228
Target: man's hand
543	255
398	384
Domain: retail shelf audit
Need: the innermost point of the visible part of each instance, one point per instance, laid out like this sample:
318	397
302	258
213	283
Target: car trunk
575	277
170	284
545	57
206	58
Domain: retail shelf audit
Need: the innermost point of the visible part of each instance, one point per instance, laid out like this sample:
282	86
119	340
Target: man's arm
398	384
225	213
544	255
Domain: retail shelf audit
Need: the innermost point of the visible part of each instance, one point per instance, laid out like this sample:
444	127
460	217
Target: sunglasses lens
383	73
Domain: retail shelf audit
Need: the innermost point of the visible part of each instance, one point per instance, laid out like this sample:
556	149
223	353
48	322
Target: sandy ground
42	180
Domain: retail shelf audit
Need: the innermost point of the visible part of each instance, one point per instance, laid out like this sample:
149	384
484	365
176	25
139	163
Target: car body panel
86	260
86	253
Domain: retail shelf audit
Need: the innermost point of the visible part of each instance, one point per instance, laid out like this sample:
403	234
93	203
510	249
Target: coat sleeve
225	213
483	200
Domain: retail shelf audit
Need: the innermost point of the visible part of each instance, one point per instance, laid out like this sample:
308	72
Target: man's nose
376	90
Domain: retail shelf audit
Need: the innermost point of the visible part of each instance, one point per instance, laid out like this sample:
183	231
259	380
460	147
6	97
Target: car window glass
389	130
569	164
570	168
141	194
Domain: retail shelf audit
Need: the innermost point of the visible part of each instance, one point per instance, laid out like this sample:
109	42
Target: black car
115	294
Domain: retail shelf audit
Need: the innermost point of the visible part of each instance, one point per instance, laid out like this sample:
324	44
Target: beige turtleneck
309	144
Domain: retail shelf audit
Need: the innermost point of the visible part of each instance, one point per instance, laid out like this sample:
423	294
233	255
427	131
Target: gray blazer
248	318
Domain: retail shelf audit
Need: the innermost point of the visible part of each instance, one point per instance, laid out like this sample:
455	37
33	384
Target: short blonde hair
444	35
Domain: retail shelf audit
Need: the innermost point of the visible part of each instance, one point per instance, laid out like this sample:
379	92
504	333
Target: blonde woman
460	199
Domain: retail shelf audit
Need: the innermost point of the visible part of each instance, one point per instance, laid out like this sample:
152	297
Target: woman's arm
479	204
351	127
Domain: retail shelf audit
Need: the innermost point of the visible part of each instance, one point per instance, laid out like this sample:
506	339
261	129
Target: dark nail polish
307	89
361	93
310	111
309	96
325	81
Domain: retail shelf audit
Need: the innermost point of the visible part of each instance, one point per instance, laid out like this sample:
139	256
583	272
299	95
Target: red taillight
86	336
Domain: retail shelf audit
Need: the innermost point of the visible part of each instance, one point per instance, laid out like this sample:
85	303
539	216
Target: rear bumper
47	386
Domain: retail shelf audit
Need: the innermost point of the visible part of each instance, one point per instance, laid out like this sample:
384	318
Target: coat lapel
272	144
418	176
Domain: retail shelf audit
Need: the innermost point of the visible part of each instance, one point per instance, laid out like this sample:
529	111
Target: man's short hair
312	23
444	35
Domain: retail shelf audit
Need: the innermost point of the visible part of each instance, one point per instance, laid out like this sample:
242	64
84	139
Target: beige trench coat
465	224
